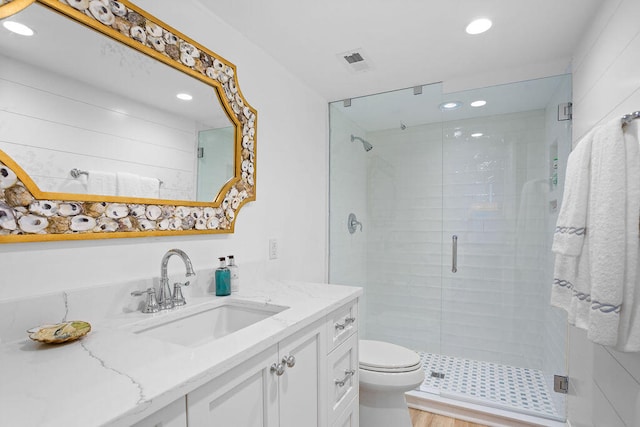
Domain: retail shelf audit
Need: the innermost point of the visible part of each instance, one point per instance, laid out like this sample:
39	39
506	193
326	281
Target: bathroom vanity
275	354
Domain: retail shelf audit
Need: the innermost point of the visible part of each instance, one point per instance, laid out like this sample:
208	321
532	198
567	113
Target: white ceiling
406	42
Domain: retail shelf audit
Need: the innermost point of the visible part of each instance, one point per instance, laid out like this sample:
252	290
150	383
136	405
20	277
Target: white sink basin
201	327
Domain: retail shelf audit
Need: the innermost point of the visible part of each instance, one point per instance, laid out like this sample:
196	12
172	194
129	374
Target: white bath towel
149	187
606	225
102	183
128	184
629	329
589	278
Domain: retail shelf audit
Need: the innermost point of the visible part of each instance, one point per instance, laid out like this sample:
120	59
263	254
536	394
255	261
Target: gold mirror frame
29	214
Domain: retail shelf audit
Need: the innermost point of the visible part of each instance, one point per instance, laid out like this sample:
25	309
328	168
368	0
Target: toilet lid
386	357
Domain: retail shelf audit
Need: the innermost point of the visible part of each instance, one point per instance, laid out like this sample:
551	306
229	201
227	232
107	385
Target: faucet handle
151	304
178	299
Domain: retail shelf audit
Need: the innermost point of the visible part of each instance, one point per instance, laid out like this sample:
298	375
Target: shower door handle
454	253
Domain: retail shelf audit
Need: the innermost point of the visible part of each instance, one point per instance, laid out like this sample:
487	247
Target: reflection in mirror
71	98
215	160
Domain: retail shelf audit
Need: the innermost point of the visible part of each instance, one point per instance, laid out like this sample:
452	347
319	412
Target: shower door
487	179
500	201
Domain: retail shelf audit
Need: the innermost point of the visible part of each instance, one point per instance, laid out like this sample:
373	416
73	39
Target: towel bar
75	173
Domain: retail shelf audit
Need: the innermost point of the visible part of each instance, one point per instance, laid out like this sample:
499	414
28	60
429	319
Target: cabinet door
245	396
303	386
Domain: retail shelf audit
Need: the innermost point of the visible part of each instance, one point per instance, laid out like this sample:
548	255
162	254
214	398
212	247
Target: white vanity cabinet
282	386
309	379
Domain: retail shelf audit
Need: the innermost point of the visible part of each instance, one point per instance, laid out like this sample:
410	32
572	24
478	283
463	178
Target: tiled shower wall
493	196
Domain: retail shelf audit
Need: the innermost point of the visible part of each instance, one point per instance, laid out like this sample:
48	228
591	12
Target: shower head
365	144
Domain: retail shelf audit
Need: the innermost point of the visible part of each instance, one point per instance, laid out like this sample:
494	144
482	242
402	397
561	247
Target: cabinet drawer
341	324
343	377
350	417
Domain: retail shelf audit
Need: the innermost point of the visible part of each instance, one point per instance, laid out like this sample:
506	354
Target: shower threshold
486	392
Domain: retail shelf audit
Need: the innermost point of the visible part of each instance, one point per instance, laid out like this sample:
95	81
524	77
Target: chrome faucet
166	299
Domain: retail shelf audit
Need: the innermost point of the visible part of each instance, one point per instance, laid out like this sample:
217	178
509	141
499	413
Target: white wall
291	200
605	384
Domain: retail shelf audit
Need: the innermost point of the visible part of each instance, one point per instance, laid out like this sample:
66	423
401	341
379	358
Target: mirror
92	116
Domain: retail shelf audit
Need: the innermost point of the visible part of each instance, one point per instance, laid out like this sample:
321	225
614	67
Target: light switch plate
273	248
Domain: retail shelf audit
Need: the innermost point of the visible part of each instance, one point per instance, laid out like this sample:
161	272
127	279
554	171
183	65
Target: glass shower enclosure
455	197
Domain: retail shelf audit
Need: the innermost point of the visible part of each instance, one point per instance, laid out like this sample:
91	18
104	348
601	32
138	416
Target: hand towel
571	284
149	187
572	219
102	183
128	184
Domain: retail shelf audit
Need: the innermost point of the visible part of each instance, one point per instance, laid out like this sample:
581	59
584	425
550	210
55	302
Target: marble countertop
115	377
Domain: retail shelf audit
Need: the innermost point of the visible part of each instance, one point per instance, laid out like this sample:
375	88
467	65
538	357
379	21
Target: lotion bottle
223	279
235	274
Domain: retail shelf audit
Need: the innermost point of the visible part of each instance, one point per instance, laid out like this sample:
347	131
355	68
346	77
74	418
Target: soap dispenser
223	279
235	274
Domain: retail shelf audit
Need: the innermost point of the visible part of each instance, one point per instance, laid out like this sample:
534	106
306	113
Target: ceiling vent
354	57
355	60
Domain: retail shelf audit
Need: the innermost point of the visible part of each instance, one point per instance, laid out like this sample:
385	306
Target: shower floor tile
508	387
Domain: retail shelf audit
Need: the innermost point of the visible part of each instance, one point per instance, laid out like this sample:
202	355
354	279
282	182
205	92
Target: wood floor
426	419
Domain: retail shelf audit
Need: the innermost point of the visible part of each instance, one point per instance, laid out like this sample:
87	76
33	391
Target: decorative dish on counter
61	332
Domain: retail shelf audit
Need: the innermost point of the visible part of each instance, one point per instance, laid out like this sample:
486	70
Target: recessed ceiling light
477	135
18	28
450	105
479	103
478	26
184	96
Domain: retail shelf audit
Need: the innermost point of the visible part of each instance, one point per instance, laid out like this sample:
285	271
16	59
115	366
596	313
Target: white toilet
386	371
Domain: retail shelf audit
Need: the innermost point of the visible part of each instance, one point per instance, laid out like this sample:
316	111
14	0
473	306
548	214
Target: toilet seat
383	357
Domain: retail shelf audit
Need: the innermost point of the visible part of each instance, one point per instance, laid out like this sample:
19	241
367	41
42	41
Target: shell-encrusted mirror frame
28	214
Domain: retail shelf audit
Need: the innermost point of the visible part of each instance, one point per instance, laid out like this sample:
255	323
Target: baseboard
467	411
